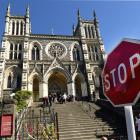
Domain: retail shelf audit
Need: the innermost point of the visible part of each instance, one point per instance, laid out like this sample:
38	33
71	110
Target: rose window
56	50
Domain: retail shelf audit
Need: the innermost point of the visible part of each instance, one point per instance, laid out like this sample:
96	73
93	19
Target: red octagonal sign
121	73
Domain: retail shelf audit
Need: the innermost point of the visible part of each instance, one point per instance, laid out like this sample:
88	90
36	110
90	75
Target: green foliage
49	132
21	98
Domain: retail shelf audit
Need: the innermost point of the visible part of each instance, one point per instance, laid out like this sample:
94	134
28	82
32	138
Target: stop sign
121	73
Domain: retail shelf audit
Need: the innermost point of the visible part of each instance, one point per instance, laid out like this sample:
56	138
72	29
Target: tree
21	98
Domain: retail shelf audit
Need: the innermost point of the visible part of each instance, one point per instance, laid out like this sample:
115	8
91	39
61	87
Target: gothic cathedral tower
51	64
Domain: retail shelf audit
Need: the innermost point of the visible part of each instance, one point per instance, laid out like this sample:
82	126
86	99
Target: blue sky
117	19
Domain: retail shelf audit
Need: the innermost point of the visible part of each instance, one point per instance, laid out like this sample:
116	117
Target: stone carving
56	50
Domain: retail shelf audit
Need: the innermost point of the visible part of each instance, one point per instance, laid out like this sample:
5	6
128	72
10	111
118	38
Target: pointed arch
80	85
33	75
11	75
76	52
57	69
35	50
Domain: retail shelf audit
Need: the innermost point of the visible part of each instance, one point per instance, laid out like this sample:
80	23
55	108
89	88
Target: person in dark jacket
50	99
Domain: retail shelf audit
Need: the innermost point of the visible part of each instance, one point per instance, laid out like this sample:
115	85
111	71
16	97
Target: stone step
73	120
76	124
82	131
82	135
86	128
82	124
78	137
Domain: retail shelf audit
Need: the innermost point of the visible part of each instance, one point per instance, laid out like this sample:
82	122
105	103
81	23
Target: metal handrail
87	108
19	120
56	123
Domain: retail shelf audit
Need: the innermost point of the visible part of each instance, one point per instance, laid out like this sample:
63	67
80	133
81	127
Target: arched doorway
57	83
78	89
35	89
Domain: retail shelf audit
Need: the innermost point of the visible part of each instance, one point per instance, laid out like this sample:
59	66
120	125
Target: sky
117	19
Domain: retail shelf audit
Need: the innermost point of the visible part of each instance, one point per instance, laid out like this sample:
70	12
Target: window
21	28
93	53
9	81
15	51
11	55
13	28
19	56
17	28
15	47
89	31
11	47
35	53
76	54
15	55
20	47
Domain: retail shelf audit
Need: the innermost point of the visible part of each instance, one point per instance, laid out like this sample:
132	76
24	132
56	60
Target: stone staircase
75	124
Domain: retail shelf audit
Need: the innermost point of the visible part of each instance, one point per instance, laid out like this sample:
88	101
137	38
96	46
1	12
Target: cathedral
47	64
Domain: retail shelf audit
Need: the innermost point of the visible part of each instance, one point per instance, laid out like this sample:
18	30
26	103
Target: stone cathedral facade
48	64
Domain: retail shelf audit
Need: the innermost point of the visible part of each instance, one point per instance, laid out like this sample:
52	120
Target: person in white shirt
64	97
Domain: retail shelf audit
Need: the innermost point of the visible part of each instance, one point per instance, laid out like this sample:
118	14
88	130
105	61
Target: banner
6	125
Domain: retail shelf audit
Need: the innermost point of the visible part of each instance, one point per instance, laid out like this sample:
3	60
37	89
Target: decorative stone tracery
56	50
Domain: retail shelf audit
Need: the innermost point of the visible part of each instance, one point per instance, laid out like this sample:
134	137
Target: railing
54	117
57	128
38	124
18	122
90	110
20	116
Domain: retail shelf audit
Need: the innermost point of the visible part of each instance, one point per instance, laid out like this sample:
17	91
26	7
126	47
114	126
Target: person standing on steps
50	99
45	101
64	97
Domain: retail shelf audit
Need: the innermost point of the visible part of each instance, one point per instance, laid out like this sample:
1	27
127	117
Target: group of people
57	98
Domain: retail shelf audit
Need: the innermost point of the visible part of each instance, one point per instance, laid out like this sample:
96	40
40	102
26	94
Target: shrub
21	98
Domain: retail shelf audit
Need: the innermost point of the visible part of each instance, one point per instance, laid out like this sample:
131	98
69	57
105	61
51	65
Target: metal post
130	123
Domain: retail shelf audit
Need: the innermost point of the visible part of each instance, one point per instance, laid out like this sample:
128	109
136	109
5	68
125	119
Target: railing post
57	128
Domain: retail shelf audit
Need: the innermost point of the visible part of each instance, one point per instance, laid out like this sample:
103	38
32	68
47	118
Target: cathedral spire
73	27
7	20
78	15
94	14
8	10
28	11
27	15
96	23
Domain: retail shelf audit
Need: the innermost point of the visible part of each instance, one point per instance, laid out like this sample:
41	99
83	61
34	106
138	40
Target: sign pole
130	123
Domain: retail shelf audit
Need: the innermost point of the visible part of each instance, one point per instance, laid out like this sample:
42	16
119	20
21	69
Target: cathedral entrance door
57	83
78	88
35	89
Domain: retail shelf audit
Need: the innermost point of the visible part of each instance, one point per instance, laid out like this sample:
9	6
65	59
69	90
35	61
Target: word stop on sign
120	74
